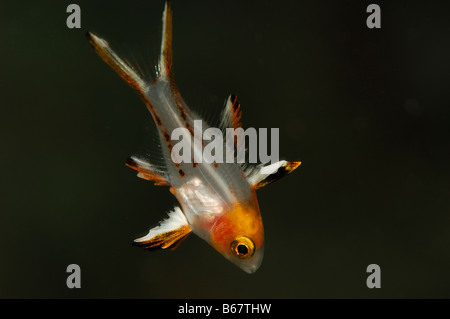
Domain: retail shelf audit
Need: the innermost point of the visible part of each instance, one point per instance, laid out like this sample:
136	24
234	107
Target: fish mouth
251	265
251	269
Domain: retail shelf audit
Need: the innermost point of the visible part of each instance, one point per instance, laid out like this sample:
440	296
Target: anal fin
148	171
169	234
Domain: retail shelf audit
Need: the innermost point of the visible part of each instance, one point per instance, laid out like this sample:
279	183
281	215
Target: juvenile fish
217	200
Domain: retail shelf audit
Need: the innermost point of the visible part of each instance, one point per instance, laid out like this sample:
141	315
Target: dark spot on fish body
166	136
174	89
183	114
167	139
157	119
189	127
148	104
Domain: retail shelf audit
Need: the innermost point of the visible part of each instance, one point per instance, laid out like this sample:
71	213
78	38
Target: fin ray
260	176
123	68
231	114
169	234
148	171
165	61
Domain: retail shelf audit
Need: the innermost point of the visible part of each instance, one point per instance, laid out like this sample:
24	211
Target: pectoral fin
260	176
169	234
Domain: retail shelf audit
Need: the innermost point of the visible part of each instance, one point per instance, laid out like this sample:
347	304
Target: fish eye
242	247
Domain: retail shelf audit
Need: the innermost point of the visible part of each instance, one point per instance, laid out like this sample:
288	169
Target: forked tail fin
165	59
124	69
129	73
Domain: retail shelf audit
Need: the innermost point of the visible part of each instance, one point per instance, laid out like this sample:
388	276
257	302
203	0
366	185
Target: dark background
365	110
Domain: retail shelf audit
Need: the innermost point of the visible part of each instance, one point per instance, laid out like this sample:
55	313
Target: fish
217	201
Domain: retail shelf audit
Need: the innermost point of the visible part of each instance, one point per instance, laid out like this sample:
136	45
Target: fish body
218	200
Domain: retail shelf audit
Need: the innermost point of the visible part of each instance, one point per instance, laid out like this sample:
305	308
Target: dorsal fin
148	171
231	114
165	60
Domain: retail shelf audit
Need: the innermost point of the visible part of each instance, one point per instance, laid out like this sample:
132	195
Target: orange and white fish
218	201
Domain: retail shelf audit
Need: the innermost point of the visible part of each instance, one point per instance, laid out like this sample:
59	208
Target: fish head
239	236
